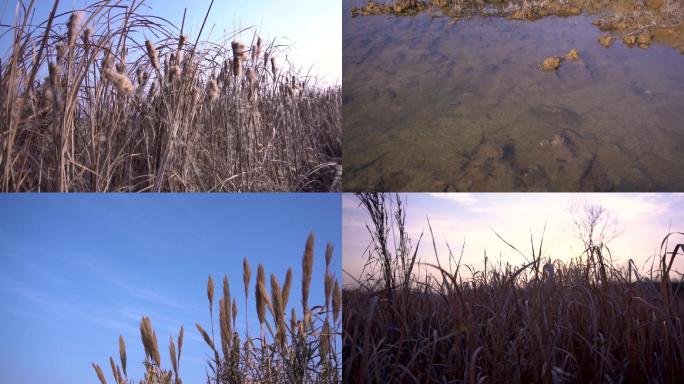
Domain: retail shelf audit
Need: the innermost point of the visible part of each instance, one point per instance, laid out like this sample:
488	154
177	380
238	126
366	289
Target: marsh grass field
110	98
414	320
449	95
288	348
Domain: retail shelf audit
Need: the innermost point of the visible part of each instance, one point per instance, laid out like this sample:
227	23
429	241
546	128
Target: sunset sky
312	29
643	221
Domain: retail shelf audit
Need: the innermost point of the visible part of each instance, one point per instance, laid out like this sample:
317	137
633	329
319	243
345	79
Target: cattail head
256	50
246	275
273	66
72	27
307	269
251	76
237	68
152	54
181	41
87	36
61	52
212	90
336	301
120	80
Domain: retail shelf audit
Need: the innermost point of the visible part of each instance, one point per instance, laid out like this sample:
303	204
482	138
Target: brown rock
550	64
572	55
606	40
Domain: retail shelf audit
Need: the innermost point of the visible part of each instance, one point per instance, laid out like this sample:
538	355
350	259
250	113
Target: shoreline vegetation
408	319
634	22
108	98
288	348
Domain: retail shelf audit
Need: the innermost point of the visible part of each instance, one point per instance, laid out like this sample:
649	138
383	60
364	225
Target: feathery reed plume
293	320
122	354
172	356
260	294
307	270
112	365
181	42
100	374
278	310
235	311
212	90
246	276
328	254
152	54
210	293
324	340
226	336
328	286
336	301
226	297
149	340
180	343
72	27
123	84
205	335
286	287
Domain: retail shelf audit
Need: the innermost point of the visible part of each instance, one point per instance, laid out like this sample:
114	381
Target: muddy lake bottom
433	105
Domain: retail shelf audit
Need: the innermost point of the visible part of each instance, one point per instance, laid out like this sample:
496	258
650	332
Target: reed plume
307	270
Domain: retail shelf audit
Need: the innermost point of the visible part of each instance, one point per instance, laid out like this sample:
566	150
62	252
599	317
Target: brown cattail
212	90
100	374
149	339
72	27
152	54
251	76
87	36
122	353
273	66
336	301
246	276
256	50
286	287
307	269
328	286
239	55
210	293
120	80
181	41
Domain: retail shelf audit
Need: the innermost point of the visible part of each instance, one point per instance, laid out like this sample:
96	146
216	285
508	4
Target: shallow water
432	105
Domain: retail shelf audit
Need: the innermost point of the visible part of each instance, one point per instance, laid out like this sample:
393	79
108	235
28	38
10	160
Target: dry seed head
113	366
328	285
235	311
237	68
246	275
181	41
293	320
225	332
273	65
307	269
152	54
251	76
174	72
278	310
336	301
286	287
325	340
122	353
180	342
210	292
149	339
73	25
172	355
260	298
100	374
212	90
120	80
226	297
205	335
328	254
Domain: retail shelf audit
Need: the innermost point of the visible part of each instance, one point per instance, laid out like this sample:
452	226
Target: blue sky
311	28
79	270
643	220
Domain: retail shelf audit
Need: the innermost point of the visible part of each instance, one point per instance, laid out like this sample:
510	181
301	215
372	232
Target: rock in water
551	63
606	40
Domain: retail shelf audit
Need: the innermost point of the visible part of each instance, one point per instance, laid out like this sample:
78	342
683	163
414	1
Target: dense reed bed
541	322
289	348
108	98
